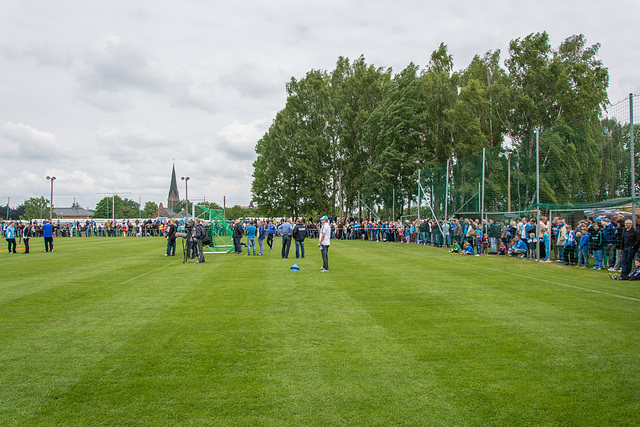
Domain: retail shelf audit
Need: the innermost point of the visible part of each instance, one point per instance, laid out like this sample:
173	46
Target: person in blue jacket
271	232
467	249
251	238
47	234
262	234
609	234
518	247
583	248
10	235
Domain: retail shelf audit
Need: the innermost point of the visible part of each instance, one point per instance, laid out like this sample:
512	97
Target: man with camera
171	238
200	234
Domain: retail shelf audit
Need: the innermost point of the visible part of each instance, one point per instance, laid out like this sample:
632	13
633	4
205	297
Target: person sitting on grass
633	276
518	247
456	248
467	249
503	249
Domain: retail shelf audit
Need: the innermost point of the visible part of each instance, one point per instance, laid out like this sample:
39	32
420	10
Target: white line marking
562	284
148	272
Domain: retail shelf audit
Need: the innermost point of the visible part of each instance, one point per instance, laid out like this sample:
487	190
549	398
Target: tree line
361	129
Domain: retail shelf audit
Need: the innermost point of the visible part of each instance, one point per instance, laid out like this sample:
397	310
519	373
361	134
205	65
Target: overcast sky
104	95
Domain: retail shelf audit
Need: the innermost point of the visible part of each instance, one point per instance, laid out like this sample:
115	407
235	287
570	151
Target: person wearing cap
324	242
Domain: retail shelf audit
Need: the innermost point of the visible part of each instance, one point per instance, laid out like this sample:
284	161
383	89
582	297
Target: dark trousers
237	245
11	243
198	243
26	245
171	247
627	262
286	245
270	241
324	250
570	254
48	244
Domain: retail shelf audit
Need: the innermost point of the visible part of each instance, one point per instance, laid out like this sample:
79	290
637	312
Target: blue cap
598	219
325	218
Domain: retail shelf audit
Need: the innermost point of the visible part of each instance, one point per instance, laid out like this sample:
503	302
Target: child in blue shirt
531	244
583	248
570	247
467	249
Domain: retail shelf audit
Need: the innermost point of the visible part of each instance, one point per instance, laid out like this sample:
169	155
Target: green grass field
110	332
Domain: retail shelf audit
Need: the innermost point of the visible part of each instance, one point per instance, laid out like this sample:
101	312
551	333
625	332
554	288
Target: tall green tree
149	209
35	207
292	170
124	208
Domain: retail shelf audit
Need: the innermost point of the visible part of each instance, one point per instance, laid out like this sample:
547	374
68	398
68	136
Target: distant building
174	195
77	212
172	200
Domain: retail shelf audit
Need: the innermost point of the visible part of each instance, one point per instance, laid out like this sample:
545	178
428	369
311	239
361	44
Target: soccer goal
217	229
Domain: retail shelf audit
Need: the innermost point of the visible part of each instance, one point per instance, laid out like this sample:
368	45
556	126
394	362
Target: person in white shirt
325	241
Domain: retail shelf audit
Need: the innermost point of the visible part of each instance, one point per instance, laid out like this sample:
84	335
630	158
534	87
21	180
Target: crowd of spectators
602	240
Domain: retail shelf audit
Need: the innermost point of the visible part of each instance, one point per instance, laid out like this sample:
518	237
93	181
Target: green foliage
234	213
150	208
124	208
361	130
36	207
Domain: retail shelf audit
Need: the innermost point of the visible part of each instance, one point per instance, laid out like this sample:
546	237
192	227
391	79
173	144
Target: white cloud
237	140
28	143
110	74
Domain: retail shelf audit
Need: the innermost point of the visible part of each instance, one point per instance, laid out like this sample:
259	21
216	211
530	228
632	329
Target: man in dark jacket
238	232
200	234
630	244
299	234
171	238
27	233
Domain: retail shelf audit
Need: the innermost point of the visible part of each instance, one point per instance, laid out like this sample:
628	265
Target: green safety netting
217	228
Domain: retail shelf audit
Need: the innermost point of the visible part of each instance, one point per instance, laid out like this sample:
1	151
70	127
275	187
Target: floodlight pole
482	195
51	178
186	194
446	191
419	195
538	235
633	159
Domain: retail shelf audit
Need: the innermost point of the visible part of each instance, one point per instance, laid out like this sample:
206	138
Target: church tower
174	196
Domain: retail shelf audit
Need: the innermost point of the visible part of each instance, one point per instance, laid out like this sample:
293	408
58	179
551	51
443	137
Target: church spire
174	196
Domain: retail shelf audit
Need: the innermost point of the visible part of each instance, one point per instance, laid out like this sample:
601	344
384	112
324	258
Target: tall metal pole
51	178
186	195
633	158
393	210
419	195
446	192
538	235
482	195
508	182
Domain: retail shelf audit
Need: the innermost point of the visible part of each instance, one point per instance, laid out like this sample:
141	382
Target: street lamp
186	194
51	178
